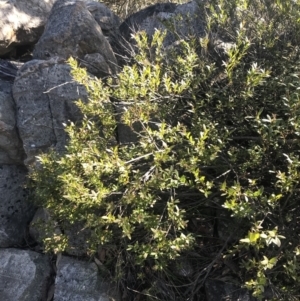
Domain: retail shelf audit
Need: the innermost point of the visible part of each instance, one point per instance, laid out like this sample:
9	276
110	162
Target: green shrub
211	135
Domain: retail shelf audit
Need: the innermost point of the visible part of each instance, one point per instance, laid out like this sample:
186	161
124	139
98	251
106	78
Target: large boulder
25	275
180	21
22	22
72	31
79	280
15	211
11	149
45	95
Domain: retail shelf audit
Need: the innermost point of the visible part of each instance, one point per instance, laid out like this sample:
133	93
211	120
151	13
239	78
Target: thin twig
138	158
71	82
209	267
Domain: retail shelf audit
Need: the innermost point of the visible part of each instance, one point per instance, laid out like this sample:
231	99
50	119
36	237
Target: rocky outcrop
15	211
25	275
22	22
45	95
72	31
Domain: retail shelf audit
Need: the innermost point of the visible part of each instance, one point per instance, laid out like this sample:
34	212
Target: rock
129	134
22	22
80	280
15	211
183	267
96	64
45	95
72	31
37	227
126	134
217	290
78	236
40	218
8	71
108	21
17	65
180	21
11	149
25	275
139	20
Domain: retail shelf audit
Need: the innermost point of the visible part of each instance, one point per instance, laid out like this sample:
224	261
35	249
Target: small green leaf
253	237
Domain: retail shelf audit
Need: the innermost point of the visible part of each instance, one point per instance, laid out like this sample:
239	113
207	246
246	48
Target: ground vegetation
212	182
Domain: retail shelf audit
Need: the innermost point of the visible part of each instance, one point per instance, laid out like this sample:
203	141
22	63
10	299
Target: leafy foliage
212	137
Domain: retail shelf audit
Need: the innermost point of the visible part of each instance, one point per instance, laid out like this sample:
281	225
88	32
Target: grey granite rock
25	275
79	280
